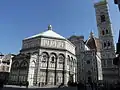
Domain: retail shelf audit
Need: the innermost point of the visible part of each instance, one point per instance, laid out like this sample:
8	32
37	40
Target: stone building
107	48
116	60
88	59
5	66
45	59
95	55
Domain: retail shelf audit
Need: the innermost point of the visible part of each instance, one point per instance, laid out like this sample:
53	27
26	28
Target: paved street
10	87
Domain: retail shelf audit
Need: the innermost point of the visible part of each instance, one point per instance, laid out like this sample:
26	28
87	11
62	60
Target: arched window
89	72
68	60
88	61
103	33
24	65
15	65
44	58
89	79
102	18
105	44
108	43
107	31
52	59
61	59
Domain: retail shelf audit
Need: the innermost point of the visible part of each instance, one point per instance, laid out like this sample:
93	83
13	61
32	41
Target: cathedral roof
86	48
93	42
48	33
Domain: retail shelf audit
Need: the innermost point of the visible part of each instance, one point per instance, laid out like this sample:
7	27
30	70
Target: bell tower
107	48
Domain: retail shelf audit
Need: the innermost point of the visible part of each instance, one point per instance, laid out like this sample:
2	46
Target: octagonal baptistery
52	60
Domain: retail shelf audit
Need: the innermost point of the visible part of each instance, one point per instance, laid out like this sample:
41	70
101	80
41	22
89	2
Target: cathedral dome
48	33
93	42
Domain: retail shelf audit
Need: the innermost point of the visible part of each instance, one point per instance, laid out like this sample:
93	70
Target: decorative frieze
52	43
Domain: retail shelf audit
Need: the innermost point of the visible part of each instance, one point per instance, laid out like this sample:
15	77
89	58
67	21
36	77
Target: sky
20	19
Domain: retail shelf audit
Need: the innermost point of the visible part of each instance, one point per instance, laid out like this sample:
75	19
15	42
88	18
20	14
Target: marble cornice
21	56
39	47
45	37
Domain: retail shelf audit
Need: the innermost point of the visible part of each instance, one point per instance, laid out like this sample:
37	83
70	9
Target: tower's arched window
102	18
89	72
88	61
103	33
108	44
107	31
105	44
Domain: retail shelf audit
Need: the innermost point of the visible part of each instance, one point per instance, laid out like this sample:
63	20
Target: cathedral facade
95	55
89	67
45	59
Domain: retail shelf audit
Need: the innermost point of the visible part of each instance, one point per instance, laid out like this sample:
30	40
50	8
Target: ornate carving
53	43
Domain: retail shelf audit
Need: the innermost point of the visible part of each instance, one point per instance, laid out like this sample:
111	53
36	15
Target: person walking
39	84
27	84
1	85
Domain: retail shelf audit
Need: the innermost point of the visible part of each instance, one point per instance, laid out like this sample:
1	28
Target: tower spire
91	34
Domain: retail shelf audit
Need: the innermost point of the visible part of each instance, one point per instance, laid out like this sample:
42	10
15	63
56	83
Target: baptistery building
45	59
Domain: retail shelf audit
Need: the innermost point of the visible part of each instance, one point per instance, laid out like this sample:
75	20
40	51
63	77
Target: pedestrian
78	86
20	84
39	84
27	84
1	85
95	84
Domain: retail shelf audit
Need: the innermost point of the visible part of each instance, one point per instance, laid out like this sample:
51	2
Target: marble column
65	72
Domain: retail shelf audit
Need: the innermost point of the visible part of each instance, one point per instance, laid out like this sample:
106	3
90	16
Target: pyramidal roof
48	33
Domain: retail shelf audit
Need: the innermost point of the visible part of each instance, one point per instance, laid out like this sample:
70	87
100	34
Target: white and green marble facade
107	49
51	60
